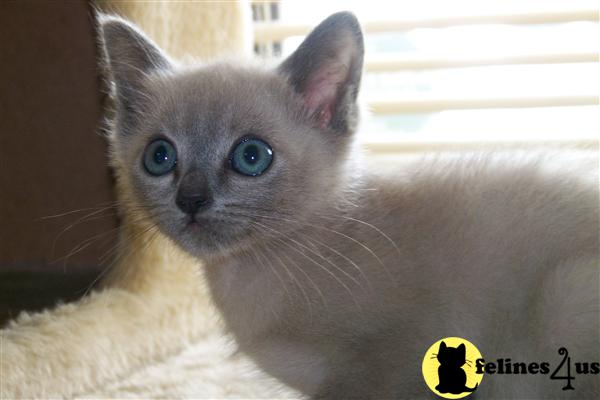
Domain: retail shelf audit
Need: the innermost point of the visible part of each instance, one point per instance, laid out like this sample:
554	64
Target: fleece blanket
151	332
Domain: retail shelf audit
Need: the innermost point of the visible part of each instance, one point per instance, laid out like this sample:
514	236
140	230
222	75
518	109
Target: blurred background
444	74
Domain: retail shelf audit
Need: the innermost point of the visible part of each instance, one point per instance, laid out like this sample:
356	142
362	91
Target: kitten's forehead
211	107
222	93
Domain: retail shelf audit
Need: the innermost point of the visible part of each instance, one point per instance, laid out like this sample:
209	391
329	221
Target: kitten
334	277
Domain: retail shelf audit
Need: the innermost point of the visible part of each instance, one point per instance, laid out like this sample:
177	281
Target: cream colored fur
154	333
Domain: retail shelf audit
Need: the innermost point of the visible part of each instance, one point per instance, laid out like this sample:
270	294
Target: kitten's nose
193	194
190	204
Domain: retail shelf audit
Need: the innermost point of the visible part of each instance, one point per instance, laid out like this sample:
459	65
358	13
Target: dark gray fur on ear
326	71
131	57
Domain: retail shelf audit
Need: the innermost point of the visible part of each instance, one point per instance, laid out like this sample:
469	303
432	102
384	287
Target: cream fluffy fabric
154	334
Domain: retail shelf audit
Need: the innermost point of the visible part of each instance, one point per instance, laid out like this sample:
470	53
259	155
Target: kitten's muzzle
193	194
192	204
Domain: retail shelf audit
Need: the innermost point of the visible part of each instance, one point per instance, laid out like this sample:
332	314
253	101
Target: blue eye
160	157
251	157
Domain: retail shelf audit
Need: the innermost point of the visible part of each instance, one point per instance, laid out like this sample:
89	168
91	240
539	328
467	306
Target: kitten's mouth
203	236
199	227
193	223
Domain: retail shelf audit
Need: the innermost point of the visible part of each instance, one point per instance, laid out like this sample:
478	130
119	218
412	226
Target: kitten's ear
131	56
462	350
442	346
326	71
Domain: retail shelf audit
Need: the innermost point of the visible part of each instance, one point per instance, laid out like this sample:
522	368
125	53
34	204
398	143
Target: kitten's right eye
160	157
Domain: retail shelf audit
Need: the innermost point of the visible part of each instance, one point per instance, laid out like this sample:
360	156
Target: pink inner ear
320	93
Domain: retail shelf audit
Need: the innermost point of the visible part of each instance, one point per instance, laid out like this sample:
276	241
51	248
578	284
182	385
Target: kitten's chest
331	277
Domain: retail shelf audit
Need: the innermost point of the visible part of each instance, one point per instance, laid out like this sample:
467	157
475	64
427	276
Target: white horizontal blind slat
274	31
394	147
434	104
401	62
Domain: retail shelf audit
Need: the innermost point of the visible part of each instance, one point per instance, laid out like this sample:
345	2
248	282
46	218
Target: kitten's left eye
251	157
160	157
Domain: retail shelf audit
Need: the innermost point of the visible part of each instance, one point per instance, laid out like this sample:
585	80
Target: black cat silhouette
453	378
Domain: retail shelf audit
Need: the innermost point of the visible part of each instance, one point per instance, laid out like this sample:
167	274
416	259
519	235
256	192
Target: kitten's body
337	278
483	242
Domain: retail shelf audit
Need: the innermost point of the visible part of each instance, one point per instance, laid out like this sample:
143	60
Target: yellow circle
445	374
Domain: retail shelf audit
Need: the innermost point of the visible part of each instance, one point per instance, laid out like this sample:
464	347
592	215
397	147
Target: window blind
427	74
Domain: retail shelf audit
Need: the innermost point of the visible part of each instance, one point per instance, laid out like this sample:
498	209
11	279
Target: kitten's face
221	157
205	116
